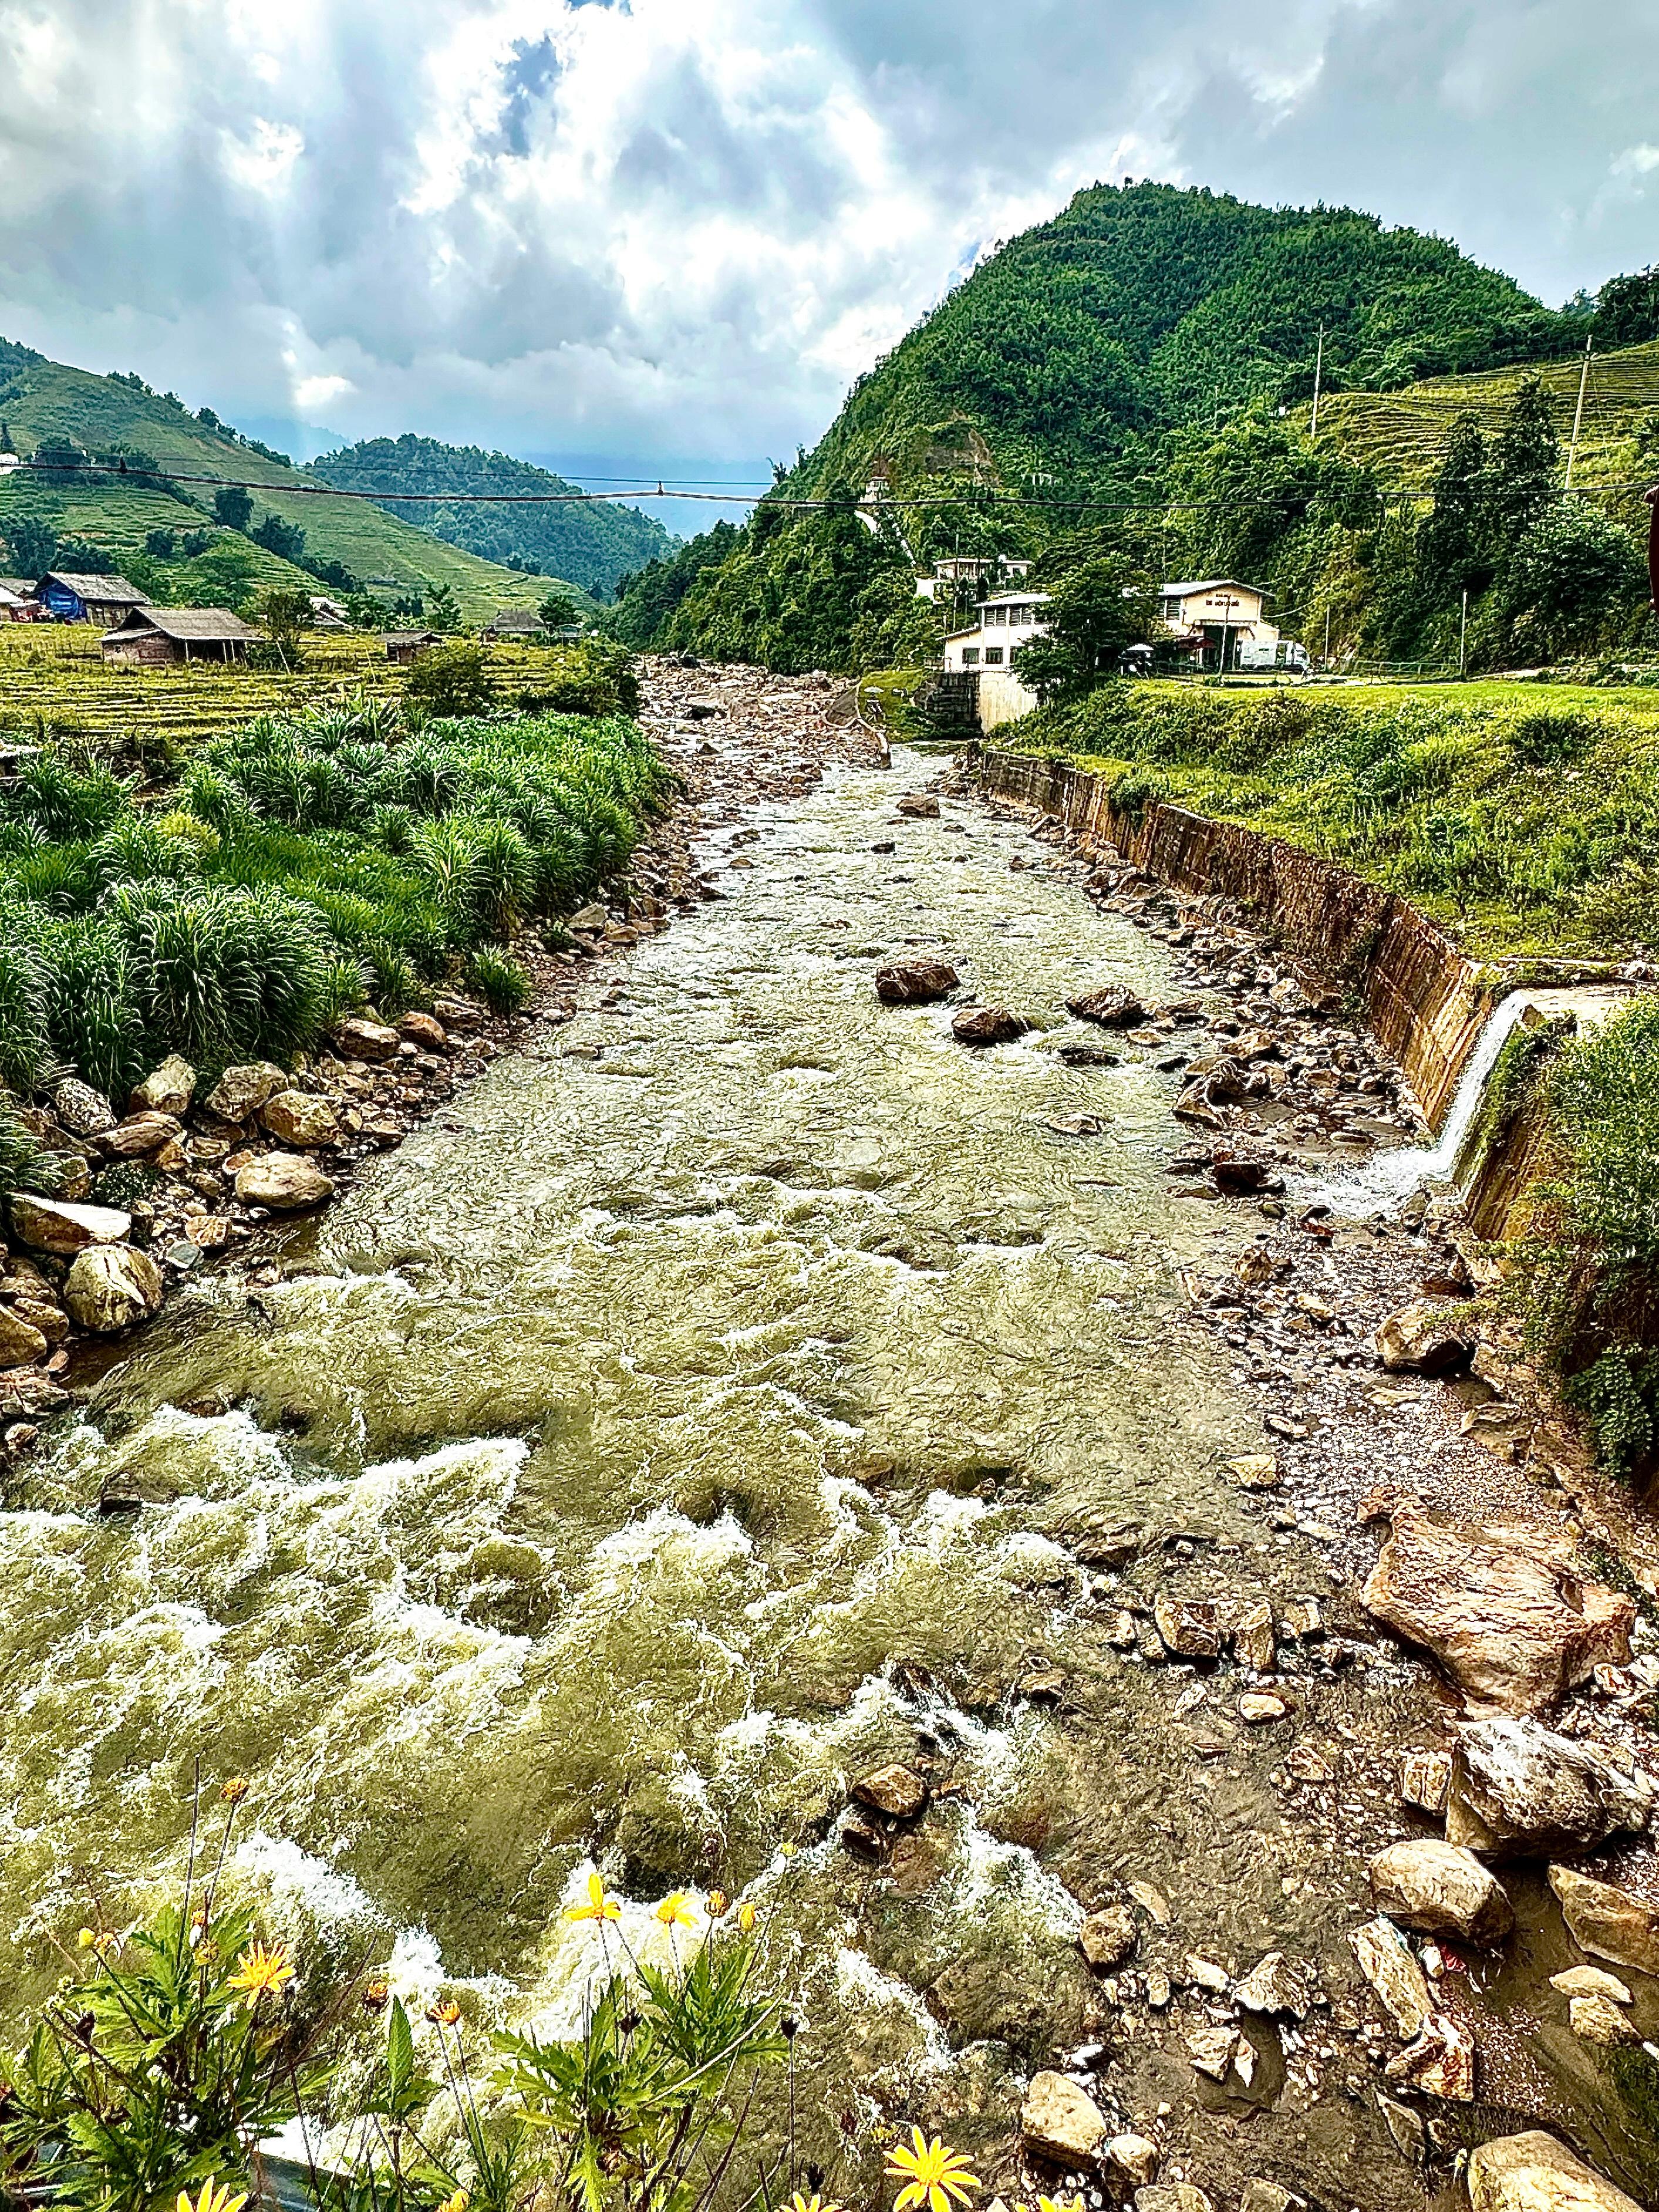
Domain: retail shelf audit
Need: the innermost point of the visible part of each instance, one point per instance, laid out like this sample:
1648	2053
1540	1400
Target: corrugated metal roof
110	590
1208	584
190	625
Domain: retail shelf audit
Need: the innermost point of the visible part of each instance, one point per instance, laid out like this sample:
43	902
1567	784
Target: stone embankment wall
1425	1002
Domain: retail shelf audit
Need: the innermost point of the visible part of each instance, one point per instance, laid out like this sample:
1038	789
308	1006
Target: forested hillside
587	545
1130	382
282	536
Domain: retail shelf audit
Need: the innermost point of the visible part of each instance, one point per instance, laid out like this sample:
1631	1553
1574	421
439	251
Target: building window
993	656
971	656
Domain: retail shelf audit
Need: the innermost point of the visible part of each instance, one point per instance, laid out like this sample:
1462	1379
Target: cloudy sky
673	231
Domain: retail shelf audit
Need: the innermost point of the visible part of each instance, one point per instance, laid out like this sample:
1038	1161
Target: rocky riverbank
1490	1816
191	1174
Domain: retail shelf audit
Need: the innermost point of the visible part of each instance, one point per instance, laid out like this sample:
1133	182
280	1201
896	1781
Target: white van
1276	652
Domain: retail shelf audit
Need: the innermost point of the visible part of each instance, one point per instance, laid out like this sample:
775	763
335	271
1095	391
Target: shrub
501	983
451	680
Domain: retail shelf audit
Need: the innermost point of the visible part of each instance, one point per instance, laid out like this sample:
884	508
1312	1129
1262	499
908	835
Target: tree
285	540
1628	309
559	610
1523	465
161	544
232	506
442	610
449	680
79	556
285	615
1096	611
1572	572
61	461
1452	553
31	544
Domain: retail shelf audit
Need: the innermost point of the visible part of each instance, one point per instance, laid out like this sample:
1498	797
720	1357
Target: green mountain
45	405
589	545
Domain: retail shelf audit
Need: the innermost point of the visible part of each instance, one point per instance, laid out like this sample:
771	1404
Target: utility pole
1228	603
1319	372
1328	636
1463	637
1579	412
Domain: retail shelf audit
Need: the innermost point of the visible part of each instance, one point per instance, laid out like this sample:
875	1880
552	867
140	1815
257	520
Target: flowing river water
681	1425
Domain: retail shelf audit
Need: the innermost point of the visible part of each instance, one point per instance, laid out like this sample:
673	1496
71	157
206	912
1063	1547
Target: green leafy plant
500	982
451	680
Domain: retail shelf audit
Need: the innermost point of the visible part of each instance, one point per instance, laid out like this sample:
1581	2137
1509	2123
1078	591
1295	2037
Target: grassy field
1402	434
1525	818
53	681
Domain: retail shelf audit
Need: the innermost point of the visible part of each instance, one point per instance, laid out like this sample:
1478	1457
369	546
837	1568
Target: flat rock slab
1425	1883
285	1181
1516	1786
1060	2122
1502	1609
1607	1921
54	1224
1533	2172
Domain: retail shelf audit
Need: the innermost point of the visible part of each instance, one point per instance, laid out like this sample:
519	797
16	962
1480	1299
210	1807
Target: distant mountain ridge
588	544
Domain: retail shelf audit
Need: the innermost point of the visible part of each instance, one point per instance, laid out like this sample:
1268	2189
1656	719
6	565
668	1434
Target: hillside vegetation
1130	383
591	545
43	403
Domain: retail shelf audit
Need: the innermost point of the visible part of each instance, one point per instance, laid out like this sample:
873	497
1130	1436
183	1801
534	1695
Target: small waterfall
1392	1177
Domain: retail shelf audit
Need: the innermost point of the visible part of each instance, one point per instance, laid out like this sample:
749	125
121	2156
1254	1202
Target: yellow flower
598	1905
260	1971
675	1910
799	2204
746	1918
214	2198
377	1994
446	2014
458	2202
719	1903
787	1852
933	2176
234	1791
86	1939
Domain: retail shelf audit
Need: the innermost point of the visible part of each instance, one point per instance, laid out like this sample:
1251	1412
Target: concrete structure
1004	624
154	637
967	571
71	598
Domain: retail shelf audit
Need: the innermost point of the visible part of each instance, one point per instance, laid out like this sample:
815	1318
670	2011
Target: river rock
112	1287
425	1031
1240	1168
1516	1785
1425	1339
1190	1627
21	1342
299	1117
894	1791
1254	1638
1259	1708
42	1313
359	1038
282	1181
1533	2172
1387	1961
1599	2021
1211	2051
1426	1782
54	1224
140	1135
168	1089
1272	1987
1059	2121
1109	1938
919	806
988	1025
81	1110
1590	1982
1262	2196
1501	1609
1437	1888
1110	1006
1255	1471
1173	2197
915	982
243	1089
1607	1921
1135	2157
1439	2060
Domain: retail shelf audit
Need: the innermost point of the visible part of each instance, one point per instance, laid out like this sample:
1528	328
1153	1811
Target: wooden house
519	623
403	644
70	598
154	637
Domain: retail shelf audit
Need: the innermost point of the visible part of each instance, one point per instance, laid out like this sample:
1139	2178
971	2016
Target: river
697	1414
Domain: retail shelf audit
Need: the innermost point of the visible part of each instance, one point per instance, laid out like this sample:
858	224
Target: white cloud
681	225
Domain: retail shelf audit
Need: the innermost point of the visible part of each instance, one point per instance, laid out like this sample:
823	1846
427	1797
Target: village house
154	637
520	622
966	571
1220	624
70	597
16	602
403	644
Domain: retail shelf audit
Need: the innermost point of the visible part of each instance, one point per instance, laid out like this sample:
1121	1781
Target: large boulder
1533	2172
81	1110
1503	1610
1108	1937
1518	1787
359	1038
1110	1004
895	1791
988	1025
243	1089
1607	1922
168	1089
299	1117
54	1224
21	1342
110	1287
915	982
1424	1338
1061	2122
423	1031
140	1135
1190	1627
1436	1887
284	1181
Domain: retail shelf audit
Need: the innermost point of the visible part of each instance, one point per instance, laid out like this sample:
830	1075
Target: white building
1006	623
1221	621
970	568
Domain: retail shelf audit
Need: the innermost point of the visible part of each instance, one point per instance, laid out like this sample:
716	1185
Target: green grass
1525	820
